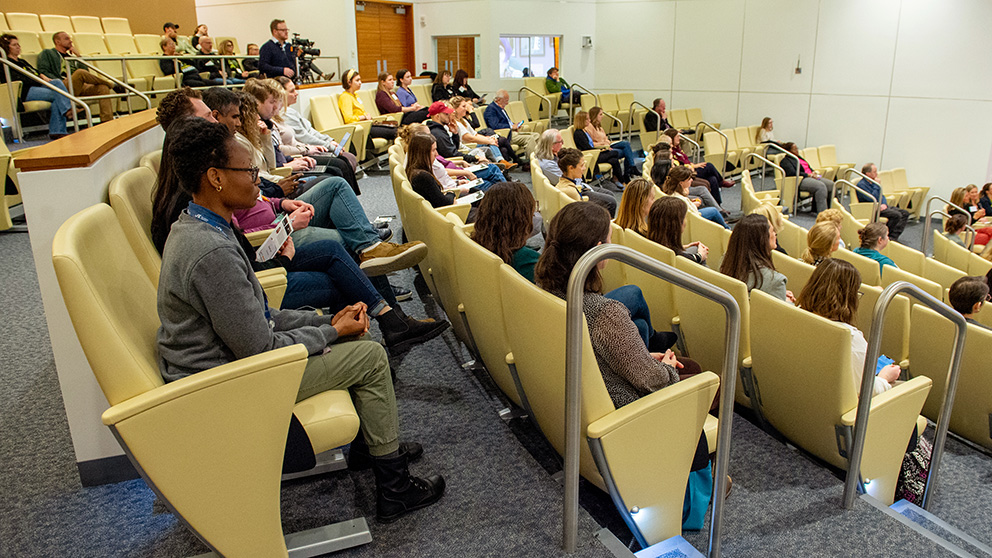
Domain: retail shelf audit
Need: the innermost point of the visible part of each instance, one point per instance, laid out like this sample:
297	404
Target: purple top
407	98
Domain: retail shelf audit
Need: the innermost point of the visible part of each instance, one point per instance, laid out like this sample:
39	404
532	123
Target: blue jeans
323	275
60	105
628	157
713	214
632	297
336	207
489	175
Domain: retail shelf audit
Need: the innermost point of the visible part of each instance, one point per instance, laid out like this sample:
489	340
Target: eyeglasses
252	171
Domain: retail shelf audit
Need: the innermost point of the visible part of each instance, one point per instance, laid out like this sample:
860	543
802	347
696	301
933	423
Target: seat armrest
274	283
638	414
503	132
460	210
888	400
282	172
256	238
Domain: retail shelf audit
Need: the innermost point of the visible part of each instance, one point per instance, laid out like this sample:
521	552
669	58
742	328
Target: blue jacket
272	59
496	117
871	188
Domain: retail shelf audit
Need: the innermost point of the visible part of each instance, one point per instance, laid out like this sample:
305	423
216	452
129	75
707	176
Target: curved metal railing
726	141
926	227
18	131
630	121
875	204
754	155
544	99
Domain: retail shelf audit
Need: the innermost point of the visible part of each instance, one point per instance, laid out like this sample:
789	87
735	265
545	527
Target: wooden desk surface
83	148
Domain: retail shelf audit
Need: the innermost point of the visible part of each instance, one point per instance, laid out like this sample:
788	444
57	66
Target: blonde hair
832	291
406	133
771	213
820	242
629	213
832	215
581	120
957	196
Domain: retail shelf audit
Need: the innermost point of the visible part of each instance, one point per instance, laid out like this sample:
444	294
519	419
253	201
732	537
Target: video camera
303	47
304	50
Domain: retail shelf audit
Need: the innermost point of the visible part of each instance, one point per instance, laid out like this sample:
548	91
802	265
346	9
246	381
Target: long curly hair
505	219
573	231
249	120
832	291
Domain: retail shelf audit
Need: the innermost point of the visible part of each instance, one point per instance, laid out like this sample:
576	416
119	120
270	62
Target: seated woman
677	184
706	171
832	293
985	198
546	153
461	88
554	83
698	188
572	164
388	102
608	156
635	205
822	240
599	140
420	158
832	215
749	257
504	223
774	216
231	66
303	131
630	366
441	89
811	181
968	199
353	110
666	221
953	227
489	146
403	92
448	173
213	312
764	135
875	237
32	91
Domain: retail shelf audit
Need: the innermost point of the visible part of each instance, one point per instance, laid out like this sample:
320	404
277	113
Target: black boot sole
393	517
405	345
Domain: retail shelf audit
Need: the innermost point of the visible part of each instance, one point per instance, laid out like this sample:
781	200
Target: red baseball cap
439	107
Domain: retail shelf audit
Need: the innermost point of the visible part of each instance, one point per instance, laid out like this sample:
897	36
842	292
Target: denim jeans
628	157
60	104
489	175
323	275
336	207
713	214
632	297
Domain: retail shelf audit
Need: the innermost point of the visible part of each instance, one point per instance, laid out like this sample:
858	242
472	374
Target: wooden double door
454	53
385	38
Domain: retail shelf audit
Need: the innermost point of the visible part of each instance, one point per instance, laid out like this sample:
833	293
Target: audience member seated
770	211
53	64
276	57
896	217
572	164
251	64
546	153
500	149
875	237
187	67
214	312
32	91
599	140
497	118
406	95
811	181
444	131
206	62
442	90
699	188
353	110
985	198
304	132
420	158
706	171
656	119
953	227
666	221
199	33
232	67
583	141
969	201
635	205
833	215
504	223
450	174
749	257
764	135
967	295
832	293
461	88
554	83
253	132
822	240
183	45
677	184
388	102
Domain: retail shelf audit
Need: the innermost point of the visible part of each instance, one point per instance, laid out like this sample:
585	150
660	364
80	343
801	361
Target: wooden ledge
83	148
338	83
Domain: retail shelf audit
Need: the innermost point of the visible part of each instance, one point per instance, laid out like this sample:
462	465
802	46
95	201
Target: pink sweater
260	217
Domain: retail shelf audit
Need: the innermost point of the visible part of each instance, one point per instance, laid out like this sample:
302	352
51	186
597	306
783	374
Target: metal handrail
847	172
971	238
875	204
571	105
573	378
7	65
856	452
620	122
125	85
726	142
926	227
697	149
799	178
630	121
754	155
544	98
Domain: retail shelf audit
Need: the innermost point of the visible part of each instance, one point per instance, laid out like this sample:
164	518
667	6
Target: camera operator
276	57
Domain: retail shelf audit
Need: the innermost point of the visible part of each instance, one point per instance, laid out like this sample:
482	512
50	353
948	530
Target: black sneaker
385	234
416	332
400	293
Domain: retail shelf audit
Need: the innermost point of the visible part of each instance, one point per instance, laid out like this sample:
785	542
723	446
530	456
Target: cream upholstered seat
326	118
368	99
440	231
152	161
478	270
828	158
751	199
7	201
657	293
119	25
941	273
87	24
19	21
895	334
614	273
807	391
796	271
869	269
715	237
201	472
518	112
422	92
893	274
908	259
56	23
647	446
362	128
131	199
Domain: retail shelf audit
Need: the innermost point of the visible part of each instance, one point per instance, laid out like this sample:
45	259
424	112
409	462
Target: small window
527	55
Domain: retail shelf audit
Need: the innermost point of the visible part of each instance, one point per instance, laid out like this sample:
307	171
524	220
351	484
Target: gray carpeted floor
501	499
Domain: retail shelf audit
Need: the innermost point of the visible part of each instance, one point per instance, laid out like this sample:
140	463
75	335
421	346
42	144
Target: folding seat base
325	539
328	461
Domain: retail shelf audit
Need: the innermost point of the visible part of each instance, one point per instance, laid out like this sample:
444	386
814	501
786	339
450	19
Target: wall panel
777	34
710	31
855	46
788	110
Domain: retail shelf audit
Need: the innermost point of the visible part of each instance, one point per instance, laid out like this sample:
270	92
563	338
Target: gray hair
545	144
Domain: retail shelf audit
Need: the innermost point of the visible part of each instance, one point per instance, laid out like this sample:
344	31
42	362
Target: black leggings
612	157
387	133
709	173
506	149
414	117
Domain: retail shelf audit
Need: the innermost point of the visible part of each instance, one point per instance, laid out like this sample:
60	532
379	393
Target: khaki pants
527	140
362	368
85	84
